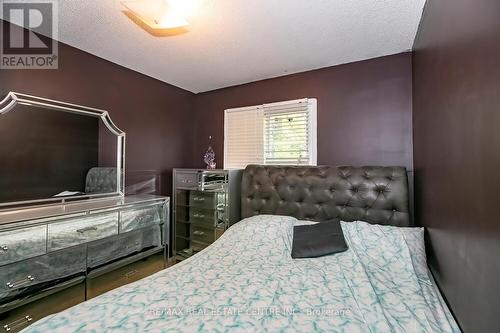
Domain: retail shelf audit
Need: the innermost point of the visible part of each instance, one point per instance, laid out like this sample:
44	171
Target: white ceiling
237	41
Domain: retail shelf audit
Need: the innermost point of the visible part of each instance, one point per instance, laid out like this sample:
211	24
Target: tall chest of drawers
205	204
55	256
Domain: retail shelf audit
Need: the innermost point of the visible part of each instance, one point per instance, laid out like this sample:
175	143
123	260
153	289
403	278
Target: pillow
316	240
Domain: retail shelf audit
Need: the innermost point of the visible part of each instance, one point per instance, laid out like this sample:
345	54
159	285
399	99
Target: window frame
312	109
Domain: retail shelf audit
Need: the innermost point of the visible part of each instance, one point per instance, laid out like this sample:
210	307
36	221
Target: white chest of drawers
47	249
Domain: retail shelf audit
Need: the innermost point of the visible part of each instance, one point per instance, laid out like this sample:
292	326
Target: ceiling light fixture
160	14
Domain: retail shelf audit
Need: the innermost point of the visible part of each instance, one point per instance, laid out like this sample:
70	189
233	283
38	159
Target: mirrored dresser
206	203
68	232
71	252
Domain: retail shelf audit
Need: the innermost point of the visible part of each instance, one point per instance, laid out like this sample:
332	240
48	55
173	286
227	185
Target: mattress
247	281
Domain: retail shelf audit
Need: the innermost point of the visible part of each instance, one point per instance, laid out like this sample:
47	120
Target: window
281	133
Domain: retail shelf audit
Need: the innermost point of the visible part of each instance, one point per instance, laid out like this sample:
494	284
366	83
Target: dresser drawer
203	199
186	180
17	319
22	244
15	277
141	217
127	274
204	235
82	230
203	217
197	247
102	252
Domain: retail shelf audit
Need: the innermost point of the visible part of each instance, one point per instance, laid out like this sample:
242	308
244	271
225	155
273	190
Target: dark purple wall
156	116
364	111
456	89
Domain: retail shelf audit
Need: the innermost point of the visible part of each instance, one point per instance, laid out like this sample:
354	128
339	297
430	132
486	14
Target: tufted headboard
101	180
376	195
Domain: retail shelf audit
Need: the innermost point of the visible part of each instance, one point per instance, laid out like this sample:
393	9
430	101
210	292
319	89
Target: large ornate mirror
52	151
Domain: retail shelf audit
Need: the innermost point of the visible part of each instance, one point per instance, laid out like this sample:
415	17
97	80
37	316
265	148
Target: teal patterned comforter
247	282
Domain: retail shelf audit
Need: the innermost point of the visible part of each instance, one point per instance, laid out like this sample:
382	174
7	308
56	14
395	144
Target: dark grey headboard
101	180
376	195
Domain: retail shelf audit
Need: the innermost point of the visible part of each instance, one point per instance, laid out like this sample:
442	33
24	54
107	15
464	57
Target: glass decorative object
209	158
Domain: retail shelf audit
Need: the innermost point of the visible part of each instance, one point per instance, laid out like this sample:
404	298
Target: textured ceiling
231	42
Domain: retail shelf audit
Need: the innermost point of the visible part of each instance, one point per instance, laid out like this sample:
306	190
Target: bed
247	281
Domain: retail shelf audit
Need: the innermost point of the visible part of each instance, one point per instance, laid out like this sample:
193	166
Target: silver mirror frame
13	98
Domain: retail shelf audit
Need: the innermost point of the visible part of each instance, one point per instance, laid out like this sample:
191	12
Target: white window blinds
243	137
281	133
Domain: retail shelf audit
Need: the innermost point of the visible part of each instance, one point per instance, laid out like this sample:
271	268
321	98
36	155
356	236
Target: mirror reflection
49	154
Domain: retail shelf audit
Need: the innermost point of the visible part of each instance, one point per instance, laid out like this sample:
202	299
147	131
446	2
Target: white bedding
247	282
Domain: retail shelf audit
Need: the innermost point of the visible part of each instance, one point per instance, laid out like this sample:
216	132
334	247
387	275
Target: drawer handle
20	283
83	230
4	248
198	215
198	233
133	246
199	199
130	274
17	323
143	218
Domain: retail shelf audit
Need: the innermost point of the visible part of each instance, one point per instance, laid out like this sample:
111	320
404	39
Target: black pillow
316	240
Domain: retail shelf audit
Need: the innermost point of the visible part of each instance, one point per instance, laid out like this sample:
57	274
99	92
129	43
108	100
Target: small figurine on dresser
209	157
